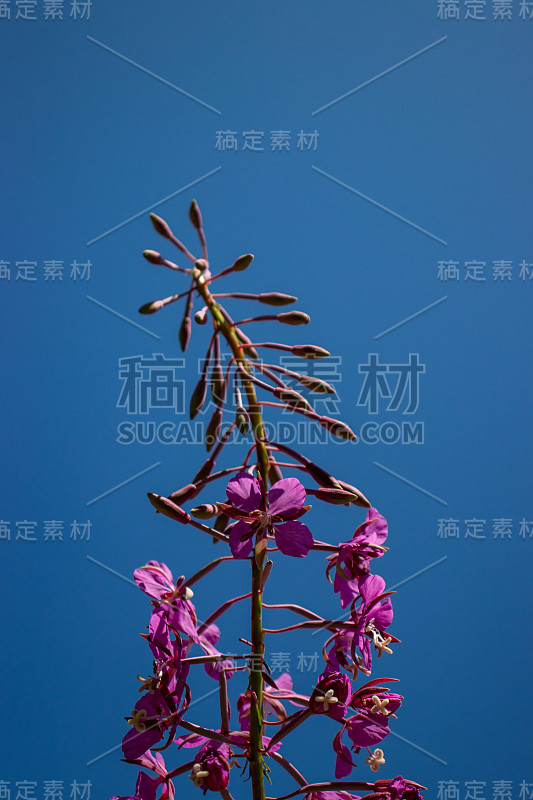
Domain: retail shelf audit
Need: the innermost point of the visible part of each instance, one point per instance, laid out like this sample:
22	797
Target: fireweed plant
258	512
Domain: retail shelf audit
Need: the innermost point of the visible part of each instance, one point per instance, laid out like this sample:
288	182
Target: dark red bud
213	429
204	471
361	499
205	511
161	227
153	257
165	506
198	397
195	215
184	494
291	398
242	262
338	428
184	335
151	308
308	351
276	298
294	318
315	384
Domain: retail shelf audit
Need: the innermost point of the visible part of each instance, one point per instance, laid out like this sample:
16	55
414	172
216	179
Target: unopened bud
165	506
153	257
201	264
309	351
161	227
204	471
201	316
184	494
276	298
294	318
198	398
213	429
184	335
337	428
195	215
335	496
291	398
205	511
361	499
315	384
242	420
242	262
151	308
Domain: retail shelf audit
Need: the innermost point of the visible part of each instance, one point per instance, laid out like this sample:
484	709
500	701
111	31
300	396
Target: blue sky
376	160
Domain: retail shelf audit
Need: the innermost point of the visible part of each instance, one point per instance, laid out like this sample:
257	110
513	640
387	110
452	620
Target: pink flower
274	513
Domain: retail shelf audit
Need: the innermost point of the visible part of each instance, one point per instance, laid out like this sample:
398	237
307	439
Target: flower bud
276	298
165	506
201	316
198	397
291	398
184	494
336	496
153	257
338	428
242	420
315	384
184	335
361	499
195	215
309	351
205	511
151	308
242	262
161	227
204	471
294	318
213	429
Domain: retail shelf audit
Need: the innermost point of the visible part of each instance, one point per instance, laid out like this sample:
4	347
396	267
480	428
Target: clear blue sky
425	159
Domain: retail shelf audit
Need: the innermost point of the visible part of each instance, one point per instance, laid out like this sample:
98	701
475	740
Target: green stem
257	634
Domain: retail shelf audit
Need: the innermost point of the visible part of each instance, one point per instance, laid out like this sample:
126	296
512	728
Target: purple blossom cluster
260	516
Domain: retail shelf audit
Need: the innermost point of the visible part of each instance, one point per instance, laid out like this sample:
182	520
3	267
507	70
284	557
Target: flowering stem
257	635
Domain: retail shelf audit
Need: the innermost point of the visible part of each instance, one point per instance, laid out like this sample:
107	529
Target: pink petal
293	538
286	497
241	549
244	492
